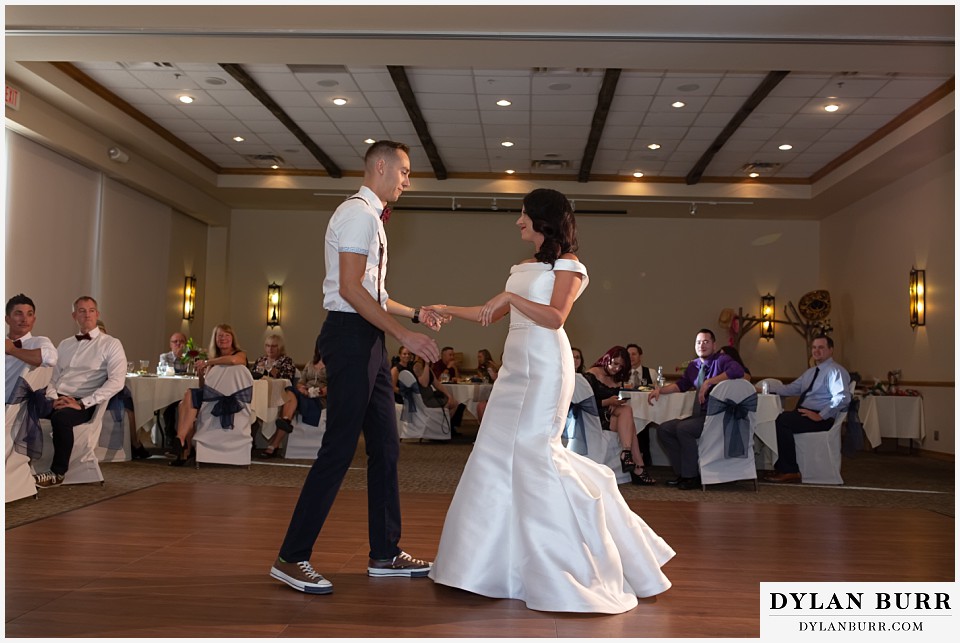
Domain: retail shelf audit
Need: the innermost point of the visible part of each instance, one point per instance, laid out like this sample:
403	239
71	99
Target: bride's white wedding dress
530	519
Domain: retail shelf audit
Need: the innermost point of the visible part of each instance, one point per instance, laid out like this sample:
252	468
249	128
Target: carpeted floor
885	478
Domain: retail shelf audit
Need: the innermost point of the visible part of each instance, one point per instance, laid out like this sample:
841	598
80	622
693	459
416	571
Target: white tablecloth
469	394
892	416
155	393
674	406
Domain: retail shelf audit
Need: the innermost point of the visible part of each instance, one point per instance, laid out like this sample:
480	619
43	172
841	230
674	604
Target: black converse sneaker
48	479
403	564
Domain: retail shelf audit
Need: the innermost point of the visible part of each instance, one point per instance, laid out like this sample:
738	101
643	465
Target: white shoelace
308	570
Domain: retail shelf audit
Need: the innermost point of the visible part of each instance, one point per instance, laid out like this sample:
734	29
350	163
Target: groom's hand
434	317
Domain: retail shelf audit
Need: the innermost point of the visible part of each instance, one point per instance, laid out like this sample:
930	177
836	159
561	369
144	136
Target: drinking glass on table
144	364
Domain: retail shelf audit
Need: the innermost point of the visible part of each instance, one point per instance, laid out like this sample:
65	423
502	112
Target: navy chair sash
308	407
853	441
115	407
408	393
226	406
575	428
28	439
736	423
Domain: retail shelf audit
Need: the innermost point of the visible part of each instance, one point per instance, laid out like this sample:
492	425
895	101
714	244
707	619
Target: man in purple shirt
679	437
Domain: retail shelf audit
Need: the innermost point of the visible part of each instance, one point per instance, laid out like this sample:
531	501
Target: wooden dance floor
177	560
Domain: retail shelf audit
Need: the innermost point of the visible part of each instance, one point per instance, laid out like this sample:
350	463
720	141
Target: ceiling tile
565	102
822	121
504	117
703	133
846	135
446	101
889	106
231	98
622	103
727	104
451	116
799	85
741	85
378	81
668	119
258	113
766	120
341	83
864	121
552	84
568	118
383	99
137	96
560	132
287	99
204	112
275	81
664	104
428	83
780	105
631	86
352	114
355	100
845	87
391	113
304	115
658	134
718	120
165	80
114	78
502	86
909	87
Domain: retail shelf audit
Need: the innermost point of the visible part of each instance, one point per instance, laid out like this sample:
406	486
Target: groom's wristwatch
416	316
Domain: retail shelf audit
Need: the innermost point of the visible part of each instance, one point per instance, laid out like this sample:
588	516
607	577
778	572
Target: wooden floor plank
182	559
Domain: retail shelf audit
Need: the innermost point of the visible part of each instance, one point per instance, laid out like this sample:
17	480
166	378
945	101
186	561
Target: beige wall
71	230
868	249
653	281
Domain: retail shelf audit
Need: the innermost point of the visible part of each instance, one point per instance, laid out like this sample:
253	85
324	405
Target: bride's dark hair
552	216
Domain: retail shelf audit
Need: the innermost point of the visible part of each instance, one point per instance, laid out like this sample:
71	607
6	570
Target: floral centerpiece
191	353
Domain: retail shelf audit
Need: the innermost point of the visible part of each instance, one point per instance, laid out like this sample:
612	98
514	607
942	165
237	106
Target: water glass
130	367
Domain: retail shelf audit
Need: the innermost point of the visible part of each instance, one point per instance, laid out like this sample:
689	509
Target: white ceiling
874	62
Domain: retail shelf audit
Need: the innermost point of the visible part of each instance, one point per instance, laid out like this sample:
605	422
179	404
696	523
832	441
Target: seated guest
606	376
679	437
308	396
24	350
824	391
274	362
436	395
577	359
735	354
640	376
447	364
91	368
178	342
402	362
225	352
486	367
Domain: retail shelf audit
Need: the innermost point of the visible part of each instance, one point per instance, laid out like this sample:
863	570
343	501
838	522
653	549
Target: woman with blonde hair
225	352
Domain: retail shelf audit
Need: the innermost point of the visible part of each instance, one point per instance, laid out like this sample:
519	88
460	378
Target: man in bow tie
91	368
24	350
359	315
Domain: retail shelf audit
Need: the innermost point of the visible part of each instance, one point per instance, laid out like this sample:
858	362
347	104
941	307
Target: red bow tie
385	215
80	338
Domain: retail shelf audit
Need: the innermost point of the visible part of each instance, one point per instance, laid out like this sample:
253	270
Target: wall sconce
918	298
768	307
274	296
189	296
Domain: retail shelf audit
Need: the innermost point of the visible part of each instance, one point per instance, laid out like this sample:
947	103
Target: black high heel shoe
182	458
626	461
642	478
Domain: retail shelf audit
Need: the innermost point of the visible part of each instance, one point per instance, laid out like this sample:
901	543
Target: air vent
563	71
760	166
549	164
317	69
134	66
266	160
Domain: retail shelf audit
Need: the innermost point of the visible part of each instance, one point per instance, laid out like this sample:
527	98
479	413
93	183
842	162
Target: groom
360	393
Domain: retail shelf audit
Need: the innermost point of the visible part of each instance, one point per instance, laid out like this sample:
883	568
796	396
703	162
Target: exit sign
11	97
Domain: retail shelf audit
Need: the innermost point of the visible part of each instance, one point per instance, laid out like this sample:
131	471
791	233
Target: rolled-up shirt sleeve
116	364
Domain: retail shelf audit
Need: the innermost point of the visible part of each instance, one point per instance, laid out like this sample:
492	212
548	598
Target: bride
531	520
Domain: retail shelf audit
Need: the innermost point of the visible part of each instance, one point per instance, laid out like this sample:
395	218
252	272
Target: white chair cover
715	465
603	447
305	440
19	477
417	420
84	465
213	443
115	433
818	454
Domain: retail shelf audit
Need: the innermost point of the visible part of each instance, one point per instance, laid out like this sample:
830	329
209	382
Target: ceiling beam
399	76
766	86
604	99
245	79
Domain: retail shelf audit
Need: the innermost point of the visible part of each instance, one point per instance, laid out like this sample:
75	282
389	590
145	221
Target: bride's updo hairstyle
552	216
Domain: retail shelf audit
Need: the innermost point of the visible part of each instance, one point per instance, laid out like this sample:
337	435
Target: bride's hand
491	307
434	316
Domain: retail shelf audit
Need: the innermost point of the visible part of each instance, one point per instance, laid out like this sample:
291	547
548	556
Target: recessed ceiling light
274	167
507	143
654	146
753	175
339	101
831	108
510	171
503	102
638	174
238	139
369	141
678	104
186	100
786	146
